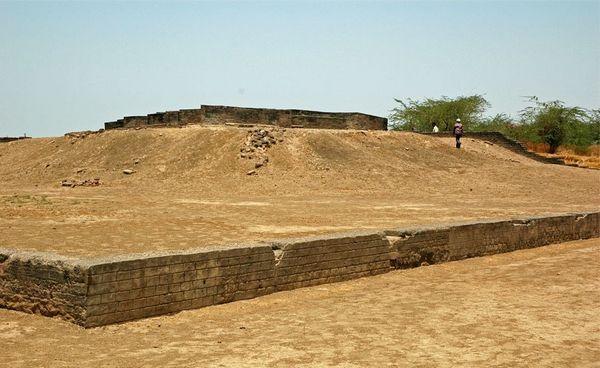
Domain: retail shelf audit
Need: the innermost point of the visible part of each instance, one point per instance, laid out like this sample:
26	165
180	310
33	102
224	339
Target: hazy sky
72	66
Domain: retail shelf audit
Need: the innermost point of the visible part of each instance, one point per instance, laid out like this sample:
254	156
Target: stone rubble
258	141
80	183
79	135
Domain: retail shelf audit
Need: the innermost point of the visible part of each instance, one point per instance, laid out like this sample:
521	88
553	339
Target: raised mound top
191	186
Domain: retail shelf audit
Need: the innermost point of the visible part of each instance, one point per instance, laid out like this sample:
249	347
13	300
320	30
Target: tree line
550	122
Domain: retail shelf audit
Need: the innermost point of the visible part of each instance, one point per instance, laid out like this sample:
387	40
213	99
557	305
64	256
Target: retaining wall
222	115
122	290
102	291
413	247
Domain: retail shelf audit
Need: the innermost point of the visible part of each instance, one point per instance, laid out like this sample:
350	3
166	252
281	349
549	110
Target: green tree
496	123
421	115
594	126
556	123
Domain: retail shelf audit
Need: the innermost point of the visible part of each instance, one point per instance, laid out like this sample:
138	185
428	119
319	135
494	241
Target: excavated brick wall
321	260
144	287
131	289
103	291
223	115
413	247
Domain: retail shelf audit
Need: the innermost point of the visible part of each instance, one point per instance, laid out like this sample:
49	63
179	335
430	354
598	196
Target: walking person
458	132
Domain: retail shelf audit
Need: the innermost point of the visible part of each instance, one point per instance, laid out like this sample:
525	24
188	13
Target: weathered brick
153	300
125	285
94	299
174	288
105	277
120	296
343	255
151	281
109	298
123	275
178	296
109	287
149	291
103	268
176	268
202	302
161	289
164	279
333	248
157	262
207	273
98	309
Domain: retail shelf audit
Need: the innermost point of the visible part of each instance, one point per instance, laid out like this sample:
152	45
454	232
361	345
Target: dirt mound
221	158
176	188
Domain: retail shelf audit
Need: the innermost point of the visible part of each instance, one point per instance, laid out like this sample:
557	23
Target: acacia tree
553	120
594	126
421	115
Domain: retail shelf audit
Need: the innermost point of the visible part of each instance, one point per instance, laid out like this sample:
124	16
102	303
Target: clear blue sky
72	66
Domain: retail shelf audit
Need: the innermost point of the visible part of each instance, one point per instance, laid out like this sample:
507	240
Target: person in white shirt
435	128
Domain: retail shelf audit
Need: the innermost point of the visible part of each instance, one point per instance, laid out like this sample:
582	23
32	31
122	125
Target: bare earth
190	188
530	308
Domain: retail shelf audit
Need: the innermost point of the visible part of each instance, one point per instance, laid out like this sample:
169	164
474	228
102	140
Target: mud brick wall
190	116
222	115
322	260
104	291
132	289
134	121
411	248
164	118
114	124
42	284
288	118
219	115
315	120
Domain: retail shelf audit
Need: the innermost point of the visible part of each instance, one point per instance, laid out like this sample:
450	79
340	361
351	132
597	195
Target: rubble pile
81	183
258	141
79	135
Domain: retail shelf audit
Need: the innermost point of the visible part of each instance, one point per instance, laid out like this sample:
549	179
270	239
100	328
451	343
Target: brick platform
95	292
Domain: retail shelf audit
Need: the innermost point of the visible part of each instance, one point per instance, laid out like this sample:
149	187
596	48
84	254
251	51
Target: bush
421	115
558	124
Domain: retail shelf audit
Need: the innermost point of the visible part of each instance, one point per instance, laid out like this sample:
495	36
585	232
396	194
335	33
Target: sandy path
534	307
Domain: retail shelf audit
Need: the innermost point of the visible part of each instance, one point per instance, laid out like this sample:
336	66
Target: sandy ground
530	308
190	187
